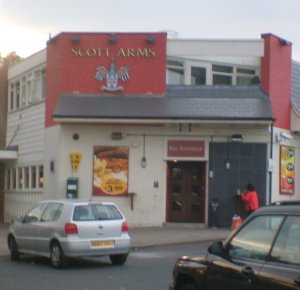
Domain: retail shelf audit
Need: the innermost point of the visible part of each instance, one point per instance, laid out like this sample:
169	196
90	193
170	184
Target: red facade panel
276	77
104	63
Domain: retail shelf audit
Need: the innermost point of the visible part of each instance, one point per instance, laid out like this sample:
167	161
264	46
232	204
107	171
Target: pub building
164	127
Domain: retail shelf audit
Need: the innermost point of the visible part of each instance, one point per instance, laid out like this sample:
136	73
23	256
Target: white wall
150	202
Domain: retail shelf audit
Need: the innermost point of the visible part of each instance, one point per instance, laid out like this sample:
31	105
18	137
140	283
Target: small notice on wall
110	171
287	170
186	148
75	158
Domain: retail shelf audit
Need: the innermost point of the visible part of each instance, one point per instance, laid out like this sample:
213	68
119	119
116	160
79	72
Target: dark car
263	253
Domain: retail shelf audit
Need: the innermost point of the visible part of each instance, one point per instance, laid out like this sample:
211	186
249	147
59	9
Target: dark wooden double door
186	192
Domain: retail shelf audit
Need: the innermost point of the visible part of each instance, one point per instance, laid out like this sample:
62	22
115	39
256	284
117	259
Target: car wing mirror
19	219
216	248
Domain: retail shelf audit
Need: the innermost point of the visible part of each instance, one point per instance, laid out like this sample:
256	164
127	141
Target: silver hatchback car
61	229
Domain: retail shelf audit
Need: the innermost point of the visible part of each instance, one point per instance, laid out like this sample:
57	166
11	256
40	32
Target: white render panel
27	64
147	199
215	47
230	60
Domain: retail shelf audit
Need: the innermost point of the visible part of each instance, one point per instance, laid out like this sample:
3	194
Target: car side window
255	239
52	212
287	246
34	215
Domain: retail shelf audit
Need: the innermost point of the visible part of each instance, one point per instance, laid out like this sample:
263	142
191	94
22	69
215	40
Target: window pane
23	91
17	95
14	178
177	173
33	177
175	63
34	214
43	84
246	71
175	76
176	206
52	212
255	239
8	181
243	81
11	95
20	178
176	189
41	176
222	68
287	246
198	76
222	80
26	177
96	212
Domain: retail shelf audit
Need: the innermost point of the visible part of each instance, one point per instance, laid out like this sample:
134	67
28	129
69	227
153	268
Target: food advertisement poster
110	171
287	170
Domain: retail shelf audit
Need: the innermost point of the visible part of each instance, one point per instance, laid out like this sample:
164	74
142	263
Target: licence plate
103	244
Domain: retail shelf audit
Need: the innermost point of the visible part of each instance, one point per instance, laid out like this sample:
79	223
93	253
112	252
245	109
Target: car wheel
13	247
119	259
189	286
57	256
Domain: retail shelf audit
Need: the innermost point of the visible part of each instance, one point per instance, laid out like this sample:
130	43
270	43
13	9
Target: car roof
76	201
286	202
278	208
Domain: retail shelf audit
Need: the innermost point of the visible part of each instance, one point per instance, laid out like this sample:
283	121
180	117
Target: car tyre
118	259
13	247
189	286
57	256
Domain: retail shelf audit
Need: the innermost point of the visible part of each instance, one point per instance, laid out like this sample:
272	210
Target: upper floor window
175	73
198	75
193	72
222	75
27	89
244	76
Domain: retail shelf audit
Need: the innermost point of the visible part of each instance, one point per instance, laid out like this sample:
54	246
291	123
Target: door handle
248	272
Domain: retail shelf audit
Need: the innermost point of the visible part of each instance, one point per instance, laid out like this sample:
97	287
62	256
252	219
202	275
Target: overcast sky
25	25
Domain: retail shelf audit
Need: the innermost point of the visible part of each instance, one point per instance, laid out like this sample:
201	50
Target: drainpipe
270	171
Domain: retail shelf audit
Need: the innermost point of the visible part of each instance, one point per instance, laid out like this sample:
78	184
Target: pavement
169	234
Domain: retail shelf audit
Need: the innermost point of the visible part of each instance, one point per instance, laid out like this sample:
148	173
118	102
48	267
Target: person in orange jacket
250	199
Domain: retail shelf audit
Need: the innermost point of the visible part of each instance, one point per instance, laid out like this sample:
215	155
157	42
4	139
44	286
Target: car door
282	270
244	256
48	226
228	274
26	232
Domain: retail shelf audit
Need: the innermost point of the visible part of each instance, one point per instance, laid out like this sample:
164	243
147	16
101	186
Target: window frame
187	64
28	88
24	178
251	254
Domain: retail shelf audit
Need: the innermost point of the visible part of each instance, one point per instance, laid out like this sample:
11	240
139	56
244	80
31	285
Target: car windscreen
90	212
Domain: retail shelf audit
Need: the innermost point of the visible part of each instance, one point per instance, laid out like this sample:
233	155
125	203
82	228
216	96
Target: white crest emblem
112	77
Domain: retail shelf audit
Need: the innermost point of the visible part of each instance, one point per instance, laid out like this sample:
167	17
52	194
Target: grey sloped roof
296	86
179	102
